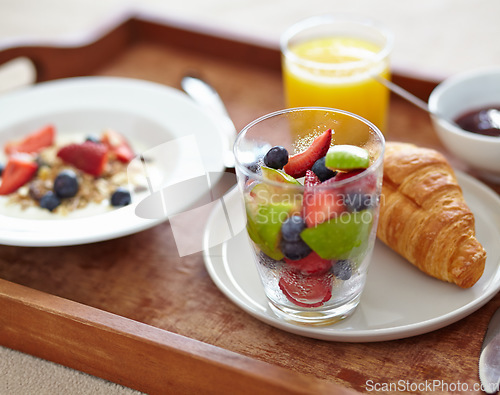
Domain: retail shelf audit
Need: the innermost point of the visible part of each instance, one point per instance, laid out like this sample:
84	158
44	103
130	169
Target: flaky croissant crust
424	217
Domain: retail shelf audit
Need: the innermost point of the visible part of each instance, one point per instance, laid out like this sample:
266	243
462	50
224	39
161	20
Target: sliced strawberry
20	168
367	184
311	264
299	163
346	175
118	145
88	156
320	203
311	180
306	291
33	142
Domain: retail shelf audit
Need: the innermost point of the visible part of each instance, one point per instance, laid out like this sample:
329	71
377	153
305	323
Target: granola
92	186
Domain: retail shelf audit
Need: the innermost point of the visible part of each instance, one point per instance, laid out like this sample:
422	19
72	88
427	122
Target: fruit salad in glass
310	179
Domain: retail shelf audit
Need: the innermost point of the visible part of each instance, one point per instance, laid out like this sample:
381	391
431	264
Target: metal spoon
492	116
206	96
404	94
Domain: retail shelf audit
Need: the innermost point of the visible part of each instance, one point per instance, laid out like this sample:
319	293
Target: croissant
424	217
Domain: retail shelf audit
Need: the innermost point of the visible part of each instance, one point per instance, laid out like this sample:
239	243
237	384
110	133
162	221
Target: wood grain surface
92	306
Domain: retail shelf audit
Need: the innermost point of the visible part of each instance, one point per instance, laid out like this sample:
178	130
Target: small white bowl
453	97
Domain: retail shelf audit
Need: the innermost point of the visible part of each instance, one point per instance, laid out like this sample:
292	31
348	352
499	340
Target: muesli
62	178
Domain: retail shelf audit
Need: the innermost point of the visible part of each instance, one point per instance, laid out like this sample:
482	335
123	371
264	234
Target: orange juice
337	72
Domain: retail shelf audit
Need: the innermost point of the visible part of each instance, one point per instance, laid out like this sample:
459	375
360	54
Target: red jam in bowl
485	121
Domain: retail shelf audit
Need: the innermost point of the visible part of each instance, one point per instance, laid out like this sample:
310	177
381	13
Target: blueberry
93	138
253	167
321	171
342	269
276	157
66	184
291	228
120	197
2	166
357	201
49	201
295	250
40	162
37	189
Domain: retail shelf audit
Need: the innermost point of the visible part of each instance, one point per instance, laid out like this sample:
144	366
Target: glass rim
323	20
258	177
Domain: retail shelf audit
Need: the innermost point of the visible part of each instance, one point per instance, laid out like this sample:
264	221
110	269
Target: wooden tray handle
83	55
72	56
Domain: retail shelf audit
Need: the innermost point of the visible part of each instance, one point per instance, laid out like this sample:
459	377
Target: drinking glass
331	60
341	214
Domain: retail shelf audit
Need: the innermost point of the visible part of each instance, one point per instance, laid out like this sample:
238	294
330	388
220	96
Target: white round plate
399	301
147	113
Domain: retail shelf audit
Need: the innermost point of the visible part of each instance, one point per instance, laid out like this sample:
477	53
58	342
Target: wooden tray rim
99	342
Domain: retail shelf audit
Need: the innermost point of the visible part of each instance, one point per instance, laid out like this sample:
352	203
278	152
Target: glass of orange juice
331	61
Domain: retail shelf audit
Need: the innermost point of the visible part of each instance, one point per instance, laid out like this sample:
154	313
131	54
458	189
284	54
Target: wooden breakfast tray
129	310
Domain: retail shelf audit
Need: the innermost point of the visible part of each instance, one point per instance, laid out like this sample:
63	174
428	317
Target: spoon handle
208	98
403	93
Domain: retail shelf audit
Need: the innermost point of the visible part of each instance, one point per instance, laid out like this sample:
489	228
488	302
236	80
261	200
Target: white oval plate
399	301
147	113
